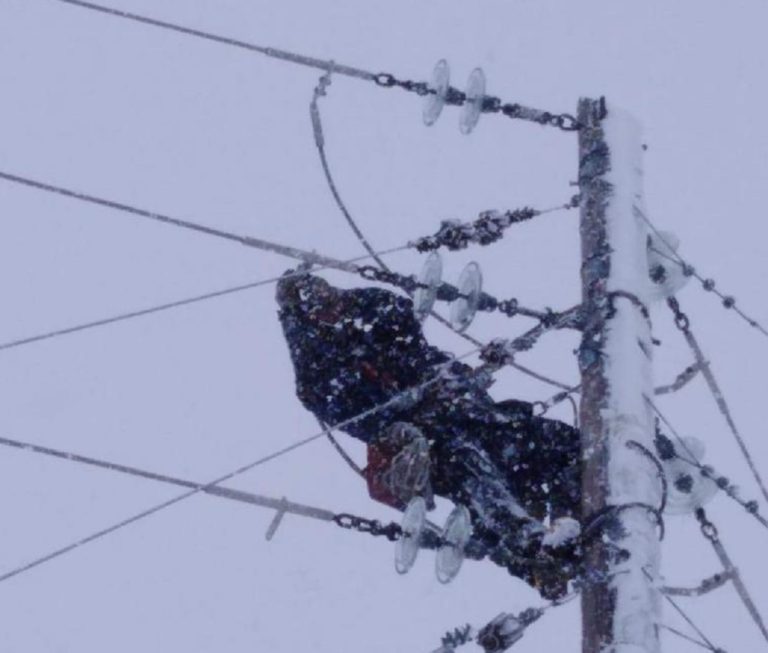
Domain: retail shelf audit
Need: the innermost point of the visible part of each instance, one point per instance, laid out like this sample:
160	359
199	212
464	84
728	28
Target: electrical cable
398	398
120	317
707	284
274	53
706	369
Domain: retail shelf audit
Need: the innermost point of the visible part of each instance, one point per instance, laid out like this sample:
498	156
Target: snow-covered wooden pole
621	487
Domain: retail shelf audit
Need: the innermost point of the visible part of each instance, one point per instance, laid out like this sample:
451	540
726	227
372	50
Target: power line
222	492
707	284
120	317
722	405
508	307
153	510
682	379
317	130
398	398
248	241
258	243
319	136
339	449
274	53
541	377
515	111
683	325
709	530
291	252
722	482
487	229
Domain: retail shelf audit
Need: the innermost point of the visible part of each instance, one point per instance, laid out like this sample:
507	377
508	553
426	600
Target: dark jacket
353	350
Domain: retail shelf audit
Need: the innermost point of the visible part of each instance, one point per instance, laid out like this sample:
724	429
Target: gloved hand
406	470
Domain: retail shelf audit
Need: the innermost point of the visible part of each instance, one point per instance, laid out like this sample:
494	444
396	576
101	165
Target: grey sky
216	135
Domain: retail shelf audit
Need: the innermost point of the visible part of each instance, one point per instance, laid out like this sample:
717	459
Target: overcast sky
217	135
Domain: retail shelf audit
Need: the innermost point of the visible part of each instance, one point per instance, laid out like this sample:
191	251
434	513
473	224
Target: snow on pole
620	605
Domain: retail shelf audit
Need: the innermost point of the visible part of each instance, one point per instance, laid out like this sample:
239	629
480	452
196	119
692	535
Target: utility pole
621	487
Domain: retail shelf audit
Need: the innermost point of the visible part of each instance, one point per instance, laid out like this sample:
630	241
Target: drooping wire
341	450
120	317
639	446
319	135
454	236
397	399
317	130
707	284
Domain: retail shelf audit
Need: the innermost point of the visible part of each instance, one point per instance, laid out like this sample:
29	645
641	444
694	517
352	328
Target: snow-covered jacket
354	350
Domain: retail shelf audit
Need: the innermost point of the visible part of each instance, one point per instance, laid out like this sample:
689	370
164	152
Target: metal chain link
446	292
490	104
682	321
564	121
708	529
391	531
388	80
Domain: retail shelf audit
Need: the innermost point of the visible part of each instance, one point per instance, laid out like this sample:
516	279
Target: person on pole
518	474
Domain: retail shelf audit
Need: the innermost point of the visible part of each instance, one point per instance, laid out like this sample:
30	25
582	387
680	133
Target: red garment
379	461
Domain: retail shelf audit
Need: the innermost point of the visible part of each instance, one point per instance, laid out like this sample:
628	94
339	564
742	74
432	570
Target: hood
306	296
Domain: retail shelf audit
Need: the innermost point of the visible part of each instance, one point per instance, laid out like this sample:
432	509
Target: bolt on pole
621	490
